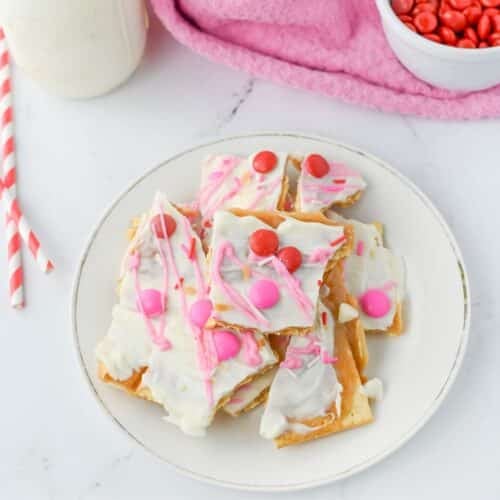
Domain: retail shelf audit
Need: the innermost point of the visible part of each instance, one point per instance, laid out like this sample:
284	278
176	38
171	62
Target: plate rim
364	464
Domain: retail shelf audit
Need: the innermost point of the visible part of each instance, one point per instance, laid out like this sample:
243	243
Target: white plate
417	368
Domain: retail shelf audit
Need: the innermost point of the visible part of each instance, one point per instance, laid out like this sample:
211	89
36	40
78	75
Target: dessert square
317	390
323	184
266	269
256	182
375	277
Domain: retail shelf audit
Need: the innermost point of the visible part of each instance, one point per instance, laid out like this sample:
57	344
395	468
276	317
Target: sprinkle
246	177
338	241
324	318
179	285
192	250
222	307
190	290
360	248
246	272
320	283
207	223
339	181
327	359
263	262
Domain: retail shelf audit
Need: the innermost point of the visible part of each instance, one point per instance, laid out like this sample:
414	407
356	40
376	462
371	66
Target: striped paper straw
14	255
13	210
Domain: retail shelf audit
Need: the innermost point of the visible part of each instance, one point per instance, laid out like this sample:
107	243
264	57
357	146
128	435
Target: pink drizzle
202	288
205	361
360	248
233	296
321	255
209	212
324	188
157	336
294	288
250	350
342	170
217	178
215	181
263	191
294	361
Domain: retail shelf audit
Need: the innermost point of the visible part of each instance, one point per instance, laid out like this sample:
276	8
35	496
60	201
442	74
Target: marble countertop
75	156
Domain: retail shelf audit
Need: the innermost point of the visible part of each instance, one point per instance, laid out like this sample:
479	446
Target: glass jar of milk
76	48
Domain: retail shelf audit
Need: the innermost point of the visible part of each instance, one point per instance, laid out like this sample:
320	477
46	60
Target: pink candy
264	294
227	344
375	303
200	312
151	302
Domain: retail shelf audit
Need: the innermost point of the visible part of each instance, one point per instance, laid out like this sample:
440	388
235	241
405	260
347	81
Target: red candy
491	12
447	35
473	14
316	165
465	43
426	22
465	24
484	27
425	7
402	6
264	162
291	258
460	4
496	22
168	222
491	3
264	242
471	35
454	19
433	37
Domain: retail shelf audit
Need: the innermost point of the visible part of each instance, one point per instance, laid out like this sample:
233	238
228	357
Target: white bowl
440	65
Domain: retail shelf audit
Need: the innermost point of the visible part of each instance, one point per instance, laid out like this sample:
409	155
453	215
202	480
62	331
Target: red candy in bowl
452	44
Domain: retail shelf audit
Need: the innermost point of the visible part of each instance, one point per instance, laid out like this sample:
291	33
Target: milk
76	48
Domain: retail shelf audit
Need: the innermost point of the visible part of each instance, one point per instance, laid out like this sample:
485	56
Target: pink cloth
334	47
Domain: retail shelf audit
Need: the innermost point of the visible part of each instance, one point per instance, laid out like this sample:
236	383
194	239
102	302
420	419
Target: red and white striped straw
13	210
14	255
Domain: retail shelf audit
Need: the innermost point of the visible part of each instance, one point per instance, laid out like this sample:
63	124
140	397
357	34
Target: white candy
347	313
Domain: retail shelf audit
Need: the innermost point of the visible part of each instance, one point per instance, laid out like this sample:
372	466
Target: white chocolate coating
249	392
305	392
373	389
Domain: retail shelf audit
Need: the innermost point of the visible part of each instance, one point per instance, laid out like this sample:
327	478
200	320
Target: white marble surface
74	157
